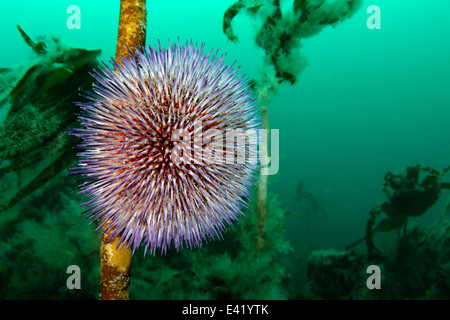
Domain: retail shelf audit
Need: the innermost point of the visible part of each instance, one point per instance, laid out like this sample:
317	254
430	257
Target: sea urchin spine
133	177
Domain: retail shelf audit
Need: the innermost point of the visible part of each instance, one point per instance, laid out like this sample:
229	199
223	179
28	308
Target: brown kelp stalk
261	201
116	263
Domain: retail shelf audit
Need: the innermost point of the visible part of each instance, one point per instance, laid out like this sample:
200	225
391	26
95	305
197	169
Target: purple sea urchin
151	186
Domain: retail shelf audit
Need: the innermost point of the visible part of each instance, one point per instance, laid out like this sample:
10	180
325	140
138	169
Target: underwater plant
280	34
49	236
230	269
115	262
408	196
36	107
415	267
312	202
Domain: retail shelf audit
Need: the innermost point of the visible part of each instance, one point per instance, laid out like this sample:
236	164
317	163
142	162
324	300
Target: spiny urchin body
132	178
